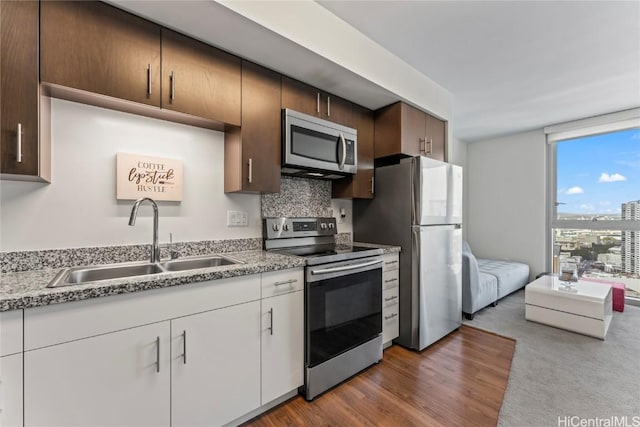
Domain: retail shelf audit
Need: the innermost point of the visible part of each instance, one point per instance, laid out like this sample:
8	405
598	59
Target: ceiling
511	66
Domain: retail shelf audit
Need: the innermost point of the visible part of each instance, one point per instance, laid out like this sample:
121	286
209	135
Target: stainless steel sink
197	262
86	274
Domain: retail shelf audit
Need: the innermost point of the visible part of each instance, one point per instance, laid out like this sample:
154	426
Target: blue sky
598	173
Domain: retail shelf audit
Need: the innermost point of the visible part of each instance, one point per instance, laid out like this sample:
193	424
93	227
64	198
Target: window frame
623	120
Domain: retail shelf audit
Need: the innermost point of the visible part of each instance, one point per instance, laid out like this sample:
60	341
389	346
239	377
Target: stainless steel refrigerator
418	206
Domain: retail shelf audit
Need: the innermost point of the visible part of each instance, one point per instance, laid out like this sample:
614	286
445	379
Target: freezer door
437	192
438	270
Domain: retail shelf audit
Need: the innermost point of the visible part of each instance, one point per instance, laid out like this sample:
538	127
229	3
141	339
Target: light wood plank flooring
459	381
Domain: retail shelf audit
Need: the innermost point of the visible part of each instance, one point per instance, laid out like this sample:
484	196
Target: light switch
237	219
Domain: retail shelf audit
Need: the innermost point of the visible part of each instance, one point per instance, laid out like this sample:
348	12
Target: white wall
506	198
457	155
80	209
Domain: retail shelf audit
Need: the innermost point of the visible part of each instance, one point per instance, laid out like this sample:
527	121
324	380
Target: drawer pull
391	298
395	279
286	282
158	354
391	262
270	328
391	316
184	347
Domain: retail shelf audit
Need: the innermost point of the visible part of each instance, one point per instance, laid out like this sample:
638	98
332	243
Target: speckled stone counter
28	289
386	249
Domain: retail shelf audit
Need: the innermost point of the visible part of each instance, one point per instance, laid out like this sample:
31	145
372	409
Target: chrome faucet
155	248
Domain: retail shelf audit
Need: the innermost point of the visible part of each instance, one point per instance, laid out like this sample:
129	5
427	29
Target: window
594	198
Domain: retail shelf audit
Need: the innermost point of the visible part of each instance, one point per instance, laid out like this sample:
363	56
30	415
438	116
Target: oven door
343	307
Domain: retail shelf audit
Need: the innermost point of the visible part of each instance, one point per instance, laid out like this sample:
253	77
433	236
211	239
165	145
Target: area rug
559	378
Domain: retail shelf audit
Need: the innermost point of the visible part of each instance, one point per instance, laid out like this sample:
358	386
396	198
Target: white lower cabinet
390	298
282	344
11	390
116	379
219	380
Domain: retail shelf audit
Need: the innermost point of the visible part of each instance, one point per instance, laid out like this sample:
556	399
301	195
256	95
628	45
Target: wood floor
459	381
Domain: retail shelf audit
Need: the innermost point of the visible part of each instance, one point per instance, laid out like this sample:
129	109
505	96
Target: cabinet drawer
389	299
391	262
59	323
10	332
282	282
390	279
390	324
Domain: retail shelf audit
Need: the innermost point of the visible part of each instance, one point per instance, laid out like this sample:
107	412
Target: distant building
631	239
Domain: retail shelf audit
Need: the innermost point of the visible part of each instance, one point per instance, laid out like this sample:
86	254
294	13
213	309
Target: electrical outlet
237	219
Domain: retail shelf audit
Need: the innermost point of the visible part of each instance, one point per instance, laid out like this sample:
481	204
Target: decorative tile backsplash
298	197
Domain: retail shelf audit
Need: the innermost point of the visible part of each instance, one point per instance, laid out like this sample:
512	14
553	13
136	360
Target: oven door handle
346	267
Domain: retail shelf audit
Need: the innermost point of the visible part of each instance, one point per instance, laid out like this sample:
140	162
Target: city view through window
598	183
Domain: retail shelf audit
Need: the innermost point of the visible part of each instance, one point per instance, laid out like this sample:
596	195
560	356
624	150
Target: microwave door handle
344	152
345	268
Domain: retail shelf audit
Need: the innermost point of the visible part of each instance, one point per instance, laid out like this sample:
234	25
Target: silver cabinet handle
172	95
429	146
391	298
250	171
328	106
270	328
286	282
19	141
158	354
184	347
344	151
423	145
390	280
373	184
149	79
345	268
318	102
391	262
391	316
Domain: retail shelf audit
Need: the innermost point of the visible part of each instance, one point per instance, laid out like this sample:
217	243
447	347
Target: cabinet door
336	109
20	93
413	131
97	48
11	390
282	344
361	185
219	380
117	379
199	80
252	153
300	97
436	137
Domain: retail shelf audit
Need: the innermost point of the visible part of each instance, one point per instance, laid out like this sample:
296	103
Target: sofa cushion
511	275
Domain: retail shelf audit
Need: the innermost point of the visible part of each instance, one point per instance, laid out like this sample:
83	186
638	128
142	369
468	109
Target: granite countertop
28	289
386	249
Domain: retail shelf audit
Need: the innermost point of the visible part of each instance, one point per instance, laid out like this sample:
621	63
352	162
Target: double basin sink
86	274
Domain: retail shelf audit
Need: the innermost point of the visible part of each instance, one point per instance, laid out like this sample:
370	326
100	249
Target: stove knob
331	226
323	226
285	227
276	227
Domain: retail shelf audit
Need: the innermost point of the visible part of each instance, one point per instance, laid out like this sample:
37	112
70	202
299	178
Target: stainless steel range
343	299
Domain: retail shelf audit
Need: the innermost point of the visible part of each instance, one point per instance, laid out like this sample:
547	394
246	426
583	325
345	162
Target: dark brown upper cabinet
97	48
199	80
361	185
252	152
307	99
401	129
24	113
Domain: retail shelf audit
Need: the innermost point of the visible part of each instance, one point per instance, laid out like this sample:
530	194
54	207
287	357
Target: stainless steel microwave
316	148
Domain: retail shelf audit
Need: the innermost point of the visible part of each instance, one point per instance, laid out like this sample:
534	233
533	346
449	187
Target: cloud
574	190
587	207
614	177
604	203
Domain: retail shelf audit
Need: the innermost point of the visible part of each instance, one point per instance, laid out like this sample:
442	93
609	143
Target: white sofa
485	281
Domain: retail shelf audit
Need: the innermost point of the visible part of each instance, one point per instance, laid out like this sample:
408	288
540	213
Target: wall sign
143	176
